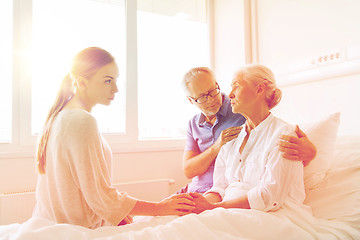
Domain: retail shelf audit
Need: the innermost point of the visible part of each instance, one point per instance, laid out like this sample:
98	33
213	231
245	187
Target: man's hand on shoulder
228	135
297	147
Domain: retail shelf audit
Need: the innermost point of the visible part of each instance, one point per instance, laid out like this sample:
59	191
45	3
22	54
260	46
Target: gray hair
193	73
257	74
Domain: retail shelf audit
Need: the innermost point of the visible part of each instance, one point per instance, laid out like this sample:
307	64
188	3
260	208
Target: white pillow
341	186
323	135
346	153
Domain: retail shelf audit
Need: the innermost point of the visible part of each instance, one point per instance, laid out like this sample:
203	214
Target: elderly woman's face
242	95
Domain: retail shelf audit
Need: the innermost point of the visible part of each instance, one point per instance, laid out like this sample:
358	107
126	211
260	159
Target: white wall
150	165
292	29
19	174
229	40
300	31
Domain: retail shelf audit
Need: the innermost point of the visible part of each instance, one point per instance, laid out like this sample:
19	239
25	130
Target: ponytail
63	97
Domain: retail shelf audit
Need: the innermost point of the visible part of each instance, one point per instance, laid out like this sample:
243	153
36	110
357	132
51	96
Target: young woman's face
102	85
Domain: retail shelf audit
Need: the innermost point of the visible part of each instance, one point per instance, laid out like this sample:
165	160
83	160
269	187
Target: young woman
74	161
250	171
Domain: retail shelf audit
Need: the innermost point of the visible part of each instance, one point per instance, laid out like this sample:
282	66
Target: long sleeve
76	187
275	184
220	182
91	173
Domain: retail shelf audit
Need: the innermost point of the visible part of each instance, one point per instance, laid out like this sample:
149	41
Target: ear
261	89
81	82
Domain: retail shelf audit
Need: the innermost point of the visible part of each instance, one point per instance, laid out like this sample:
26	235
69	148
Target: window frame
24	143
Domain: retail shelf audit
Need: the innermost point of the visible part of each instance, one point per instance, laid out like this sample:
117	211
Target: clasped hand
182	204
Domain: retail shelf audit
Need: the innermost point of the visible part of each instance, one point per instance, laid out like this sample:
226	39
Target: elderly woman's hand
297	148
201	203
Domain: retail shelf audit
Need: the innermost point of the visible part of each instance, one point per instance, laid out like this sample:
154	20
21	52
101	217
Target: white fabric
287	223
259	171
322	133
336	204
340	191
76	187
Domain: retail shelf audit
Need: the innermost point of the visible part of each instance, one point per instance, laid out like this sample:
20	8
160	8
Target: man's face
200	86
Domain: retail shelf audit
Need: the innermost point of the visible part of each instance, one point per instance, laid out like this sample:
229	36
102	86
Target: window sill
160	145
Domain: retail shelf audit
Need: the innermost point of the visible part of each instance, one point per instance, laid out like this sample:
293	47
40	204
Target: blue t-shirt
200	135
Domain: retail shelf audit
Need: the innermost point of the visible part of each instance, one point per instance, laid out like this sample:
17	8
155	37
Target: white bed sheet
335	205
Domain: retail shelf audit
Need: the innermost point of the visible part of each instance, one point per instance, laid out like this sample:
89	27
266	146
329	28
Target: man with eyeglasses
209	130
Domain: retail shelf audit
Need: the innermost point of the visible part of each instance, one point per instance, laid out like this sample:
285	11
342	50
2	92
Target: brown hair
84	64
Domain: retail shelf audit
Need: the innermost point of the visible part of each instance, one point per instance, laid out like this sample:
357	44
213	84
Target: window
153	41
6	71
59	30
172	38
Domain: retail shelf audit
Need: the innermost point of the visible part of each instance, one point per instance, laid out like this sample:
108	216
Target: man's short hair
193	73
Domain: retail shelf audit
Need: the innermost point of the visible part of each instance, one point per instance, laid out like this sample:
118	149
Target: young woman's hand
180	204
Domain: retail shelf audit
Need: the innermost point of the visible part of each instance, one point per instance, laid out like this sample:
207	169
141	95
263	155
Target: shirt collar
256	130
264	123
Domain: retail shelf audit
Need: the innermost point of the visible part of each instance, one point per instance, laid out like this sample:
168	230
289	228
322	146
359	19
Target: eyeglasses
212	93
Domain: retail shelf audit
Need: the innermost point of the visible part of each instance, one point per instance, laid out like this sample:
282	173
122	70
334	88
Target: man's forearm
198	164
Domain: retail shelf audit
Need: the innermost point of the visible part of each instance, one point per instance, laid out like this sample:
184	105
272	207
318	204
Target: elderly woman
250	171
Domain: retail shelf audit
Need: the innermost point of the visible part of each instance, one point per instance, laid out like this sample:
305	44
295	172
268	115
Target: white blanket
286	223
